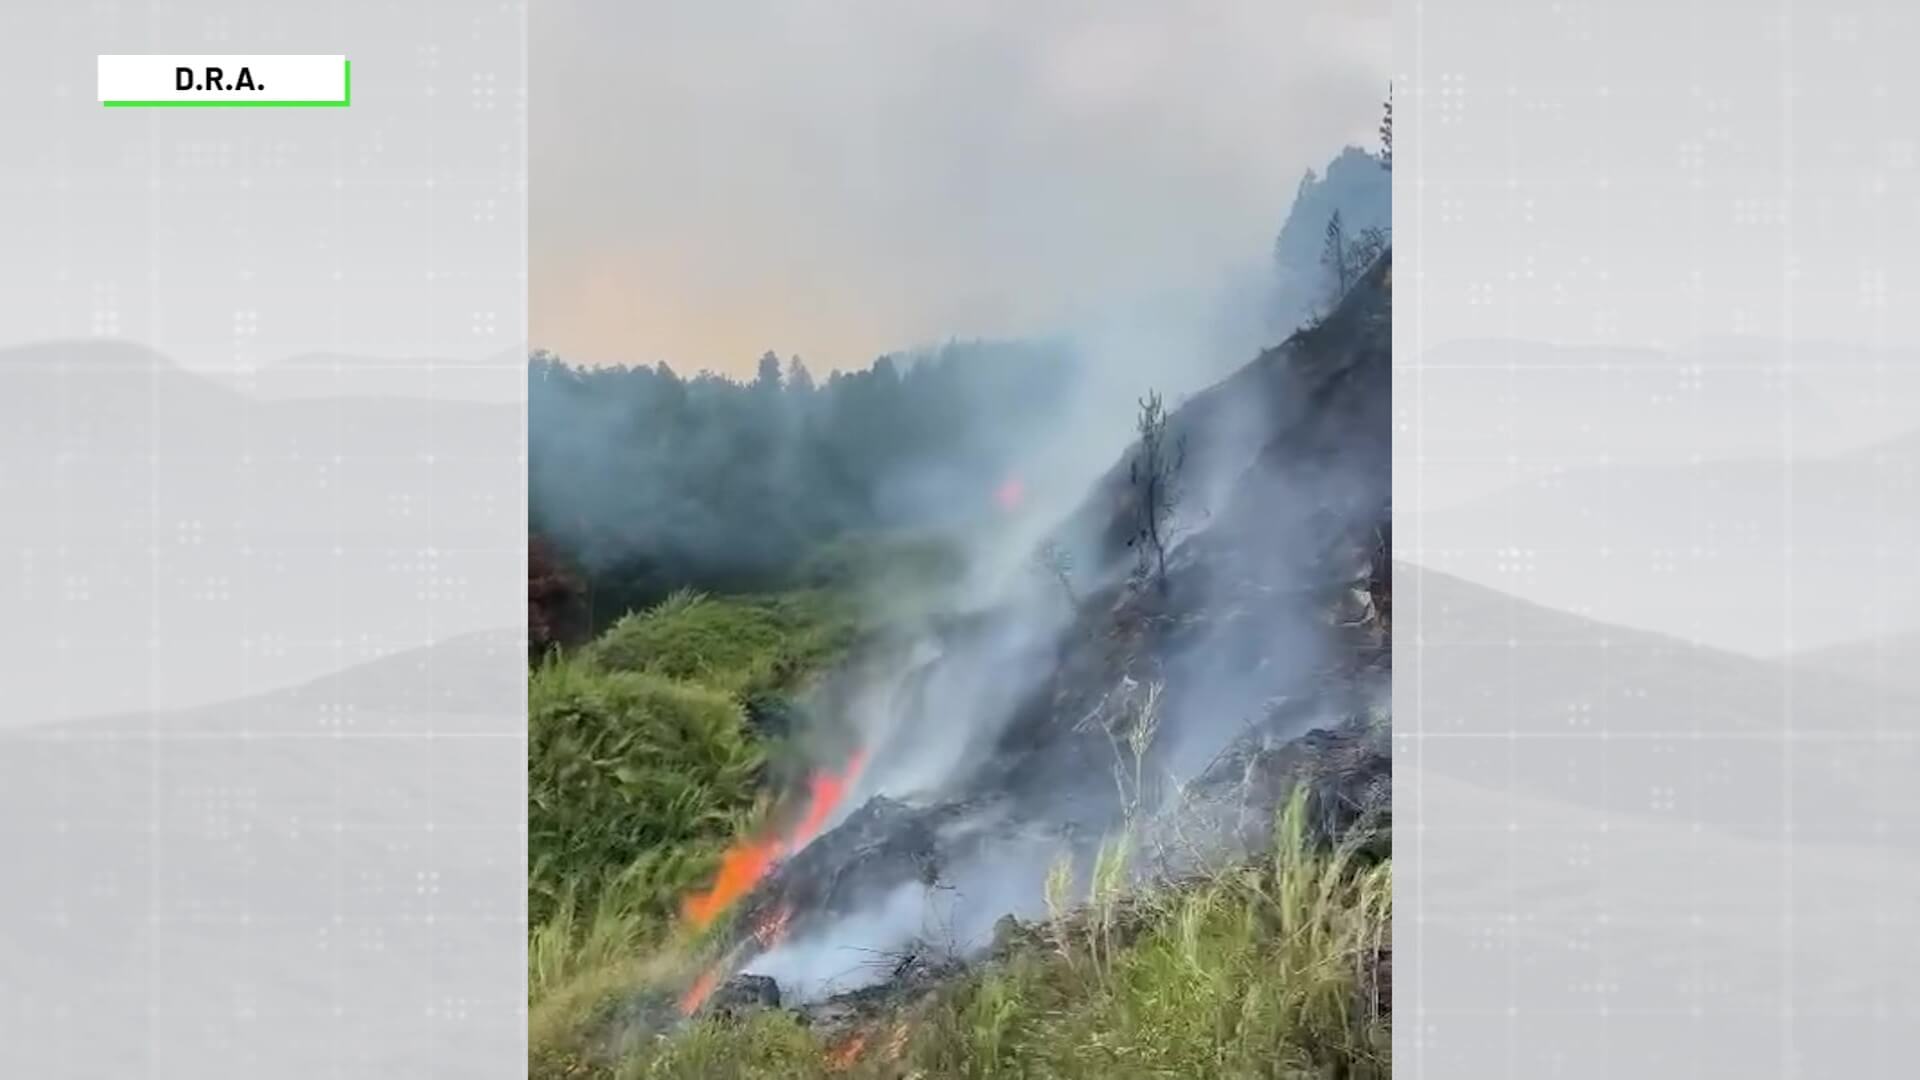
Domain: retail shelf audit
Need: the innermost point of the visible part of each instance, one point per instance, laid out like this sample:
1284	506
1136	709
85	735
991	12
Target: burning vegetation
1148	783
1179	786
744	865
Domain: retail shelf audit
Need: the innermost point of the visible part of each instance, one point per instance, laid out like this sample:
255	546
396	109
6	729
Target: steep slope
1176	706
1360	190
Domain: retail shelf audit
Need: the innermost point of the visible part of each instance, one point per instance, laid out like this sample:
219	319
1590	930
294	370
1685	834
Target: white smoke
916	923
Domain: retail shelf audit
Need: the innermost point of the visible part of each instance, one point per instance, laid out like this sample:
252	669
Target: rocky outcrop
1344	774
744	993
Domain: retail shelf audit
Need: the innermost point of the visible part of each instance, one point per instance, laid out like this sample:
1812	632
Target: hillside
1353	185
1114	725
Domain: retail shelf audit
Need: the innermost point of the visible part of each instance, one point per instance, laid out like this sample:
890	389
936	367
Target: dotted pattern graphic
1658	437
262	803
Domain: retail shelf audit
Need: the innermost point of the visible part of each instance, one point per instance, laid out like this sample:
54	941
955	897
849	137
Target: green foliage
764	1046
631	778
1264	970
740	646
642	765
579	957
571	943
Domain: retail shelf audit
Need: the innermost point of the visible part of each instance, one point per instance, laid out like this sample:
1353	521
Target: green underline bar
346	100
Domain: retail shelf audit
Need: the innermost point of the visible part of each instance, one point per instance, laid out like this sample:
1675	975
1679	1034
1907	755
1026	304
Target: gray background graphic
261	448
1655	482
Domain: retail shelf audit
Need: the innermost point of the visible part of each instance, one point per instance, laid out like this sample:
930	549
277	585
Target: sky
847	178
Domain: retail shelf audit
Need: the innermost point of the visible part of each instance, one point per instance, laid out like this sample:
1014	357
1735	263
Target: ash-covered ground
1180	709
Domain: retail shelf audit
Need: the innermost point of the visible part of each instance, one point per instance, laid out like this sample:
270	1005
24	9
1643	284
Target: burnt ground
1258	666
1345	770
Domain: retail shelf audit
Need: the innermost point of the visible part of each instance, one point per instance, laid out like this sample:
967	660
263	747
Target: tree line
642	481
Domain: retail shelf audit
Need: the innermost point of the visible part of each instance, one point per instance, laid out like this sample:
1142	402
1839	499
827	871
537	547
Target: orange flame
747	862
827	791
842	1057
702	989
770	932
741	868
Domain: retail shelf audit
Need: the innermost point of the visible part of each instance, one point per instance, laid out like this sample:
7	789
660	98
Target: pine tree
799	379
769	375
1336	256
1154	474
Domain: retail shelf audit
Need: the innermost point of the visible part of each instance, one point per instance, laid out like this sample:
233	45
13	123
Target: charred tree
1154	475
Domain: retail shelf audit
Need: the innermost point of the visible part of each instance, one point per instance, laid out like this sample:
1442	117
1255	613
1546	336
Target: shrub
740	646
642	765
631	777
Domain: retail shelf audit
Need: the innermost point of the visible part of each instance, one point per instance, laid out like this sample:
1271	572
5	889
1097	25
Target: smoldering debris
862	971
1183	713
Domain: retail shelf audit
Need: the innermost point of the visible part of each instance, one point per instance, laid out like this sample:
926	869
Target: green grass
767	1046
641	763
1265	970
578	959
634	781
642	766
739	646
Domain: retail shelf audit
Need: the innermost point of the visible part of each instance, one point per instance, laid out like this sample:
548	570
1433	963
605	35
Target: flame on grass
843	1056
741	868
702	989
826	790
748	862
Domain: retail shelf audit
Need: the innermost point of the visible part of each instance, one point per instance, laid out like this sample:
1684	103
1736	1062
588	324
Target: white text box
228	79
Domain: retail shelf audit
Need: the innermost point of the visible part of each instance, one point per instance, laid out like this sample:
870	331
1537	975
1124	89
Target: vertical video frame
959	590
